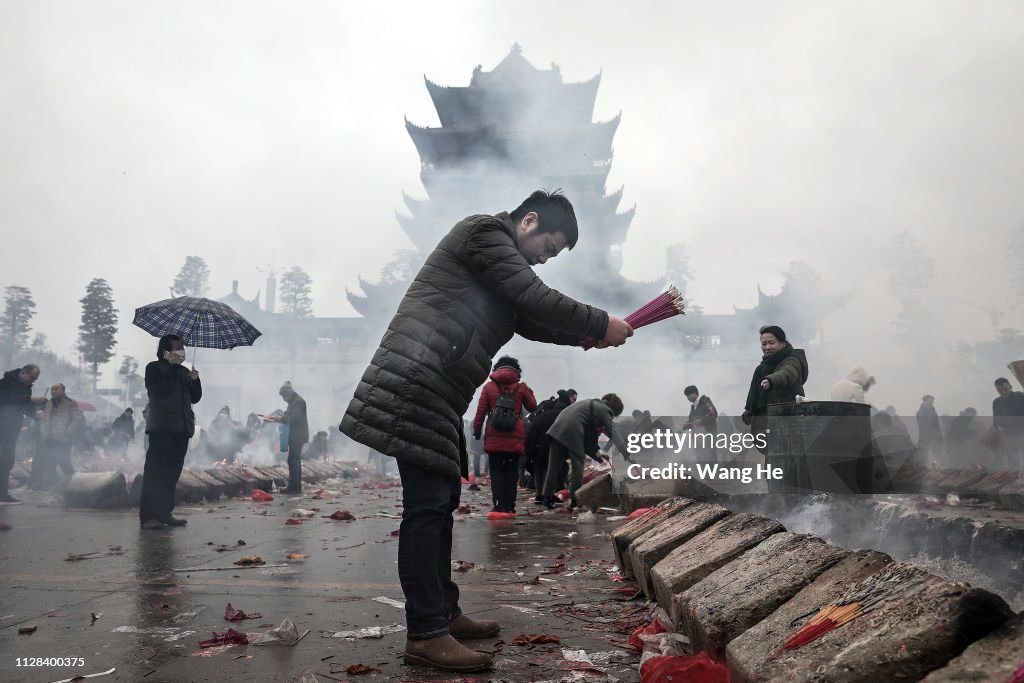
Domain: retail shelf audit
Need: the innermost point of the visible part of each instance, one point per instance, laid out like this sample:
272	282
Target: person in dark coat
298	434
1008	422
16	403
503	448
929	429
475	291
170	423
703	415
538	443
574	436
122	432
779	378
61	421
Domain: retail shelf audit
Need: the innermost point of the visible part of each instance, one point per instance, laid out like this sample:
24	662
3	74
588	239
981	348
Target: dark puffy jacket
787	382
15	401
298	423
474	292
171	395
506	380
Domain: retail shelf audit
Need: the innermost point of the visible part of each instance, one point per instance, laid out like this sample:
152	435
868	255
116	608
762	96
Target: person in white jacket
851	388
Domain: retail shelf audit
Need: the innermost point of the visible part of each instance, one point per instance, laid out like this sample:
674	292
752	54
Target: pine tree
192	278
129	376
96	334
19	310
911	272
296	286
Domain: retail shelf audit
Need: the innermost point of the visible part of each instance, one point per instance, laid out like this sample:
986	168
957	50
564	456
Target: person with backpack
502	401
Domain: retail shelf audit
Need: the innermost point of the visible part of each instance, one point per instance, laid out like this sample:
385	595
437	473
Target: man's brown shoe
447	654
464	628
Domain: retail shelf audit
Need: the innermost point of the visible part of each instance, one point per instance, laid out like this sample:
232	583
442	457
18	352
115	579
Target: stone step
663	538
706	552
993	658
623	536
734	598
754	655
598	493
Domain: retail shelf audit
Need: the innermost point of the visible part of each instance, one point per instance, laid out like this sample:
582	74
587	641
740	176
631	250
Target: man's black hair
165	344
555	213
1002	380
508	362
613	402
690	390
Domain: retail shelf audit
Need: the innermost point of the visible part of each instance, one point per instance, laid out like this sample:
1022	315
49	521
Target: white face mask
180	353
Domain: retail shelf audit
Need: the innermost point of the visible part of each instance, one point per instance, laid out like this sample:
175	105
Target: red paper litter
229	637
394	534
462	565
691	668
536	639
494	514
653	628
639	512
464	509
261	496
232	614
554	568
628	590
341	515
4	527
291	521
356	669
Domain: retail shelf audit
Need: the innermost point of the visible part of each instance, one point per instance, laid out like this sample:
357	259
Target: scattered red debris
462	565
320	495
536	639
653	628
229	637
464	509
341	515
57	613
690	668
291	521
163	607
639	512
4	527
618	578
357	669
554	568
261	496
394	534
628	590
177	590
494	514
232	614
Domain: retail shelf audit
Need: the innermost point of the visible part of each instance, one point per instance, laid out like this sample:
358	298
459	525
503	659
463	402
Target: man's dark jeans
295	465
44	467
425	550
164	460
504	476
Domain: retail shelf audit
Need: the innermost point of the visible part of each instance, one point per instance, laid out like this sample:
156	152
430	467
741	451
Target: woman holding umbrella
172	391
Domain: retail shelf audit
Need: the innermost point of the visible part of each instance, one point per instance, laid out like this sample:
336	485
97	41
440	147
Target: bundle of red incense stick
666	305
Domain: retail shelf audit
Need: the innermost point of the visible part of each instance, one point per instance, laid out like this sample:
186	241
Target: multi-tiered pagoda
511	131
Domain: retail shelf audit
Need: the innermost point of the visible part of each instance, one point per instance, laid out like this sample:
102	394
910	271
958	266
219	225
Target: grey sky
757	133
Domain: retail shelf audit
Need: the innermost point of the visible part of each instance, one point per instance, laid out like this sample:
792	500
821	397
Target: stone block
624	535
739	595
905	638
993	658
709	550
214	487
652	547
597	493
753	656
233	486
269	472
94	490
189	488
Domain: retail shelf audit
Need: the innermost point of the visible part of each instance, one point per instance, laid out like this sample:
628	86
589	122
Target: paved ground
151	618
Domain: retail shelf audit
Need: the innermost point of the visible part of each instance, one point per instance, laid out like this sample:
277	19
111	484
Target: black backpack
504	415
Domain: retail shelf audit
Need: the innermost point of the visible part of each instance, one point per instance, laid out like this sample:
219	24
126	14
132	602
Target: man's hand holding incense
617	334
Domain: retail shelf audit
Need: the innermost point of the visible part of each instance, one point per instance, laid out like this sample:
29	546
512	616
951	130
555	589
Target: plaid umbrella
199	322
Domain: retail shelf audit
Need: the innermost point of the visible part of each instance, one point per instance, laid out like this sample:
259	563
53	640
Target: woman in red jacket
502	401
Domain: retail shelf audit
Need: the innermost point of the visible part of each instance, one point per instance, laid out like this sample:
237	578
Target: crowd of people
477	289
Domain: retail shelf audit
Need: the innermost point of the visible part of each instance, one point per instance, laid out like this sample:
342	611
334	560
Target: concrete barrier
214	487
233	486
623	536
721	607
993	658
664	537
189	489
754	655
706	552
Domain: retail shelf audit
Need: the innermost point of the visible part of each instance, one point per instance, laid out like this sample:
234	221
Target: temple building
512	130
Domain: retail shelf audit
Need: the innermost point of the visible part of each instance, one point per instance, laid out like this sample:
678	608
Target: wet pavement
104	594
